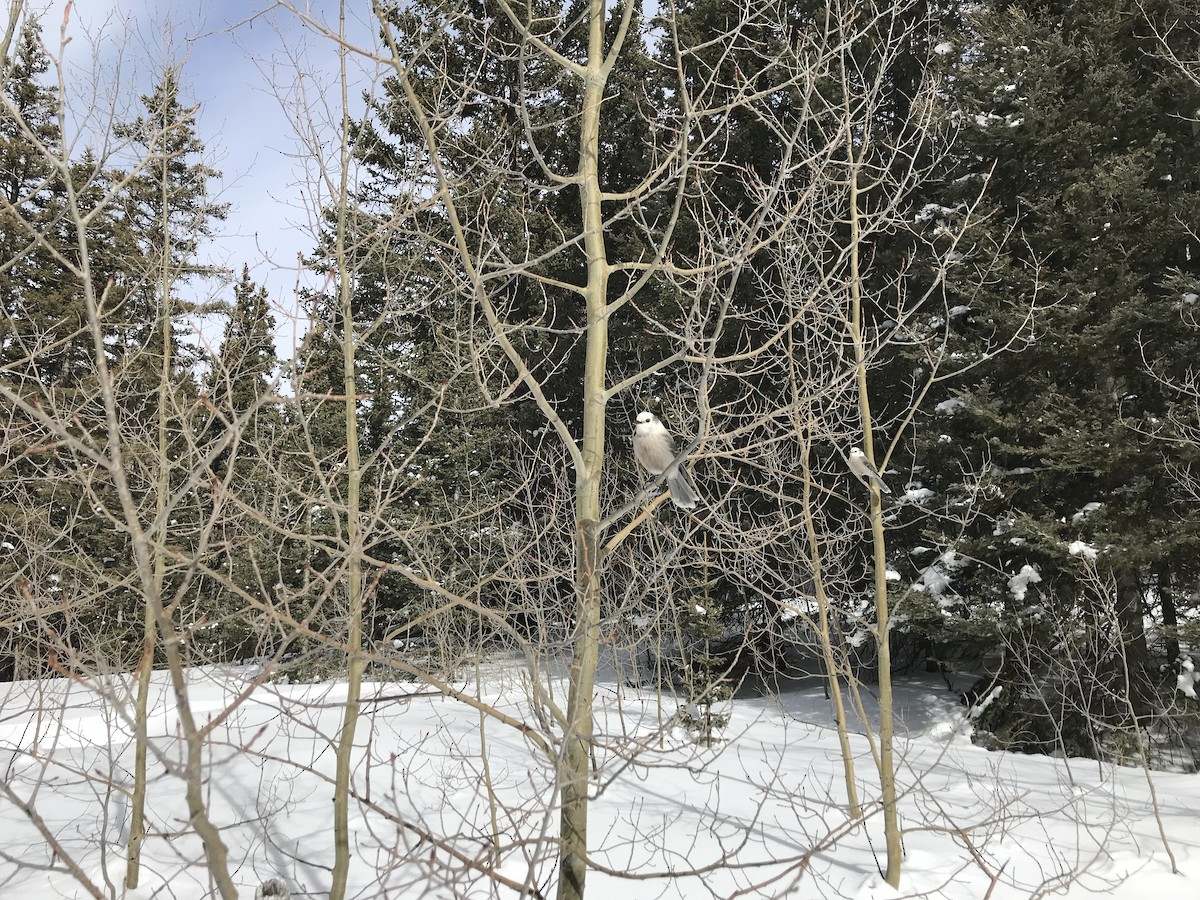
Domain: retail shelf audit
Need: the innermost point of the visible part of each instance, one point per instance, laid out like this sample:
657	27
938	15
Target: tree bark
354	550
1170	616
887	765
575	766
1133	640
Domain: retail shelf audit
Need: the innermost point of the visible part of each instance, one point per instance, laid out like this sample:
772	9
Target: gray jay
862	468
275	889
655	450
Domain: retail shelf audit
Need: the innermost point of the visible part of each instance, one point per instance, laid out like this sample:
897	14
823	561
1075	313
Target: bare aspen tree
709	279
887	764
353	512
166	276
16	9
871	175
588	454
1104	591
832	653
736	401
588	457
482	265
110	431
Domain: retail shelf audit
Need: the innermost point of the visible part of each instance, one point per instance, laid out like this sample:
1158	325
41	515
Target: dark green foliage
505	190
710	657
1081	131
448	428
244	496
75	597
428	348
60	559
42	333
240	379
167	207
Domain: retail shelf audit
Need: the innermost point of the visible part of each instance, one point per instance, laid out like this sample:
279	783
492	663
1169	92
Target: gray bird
655	450
862	468
275	889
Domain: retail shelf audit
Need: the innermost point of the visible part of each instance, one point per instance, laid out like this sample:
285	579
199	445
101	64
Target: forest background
958	236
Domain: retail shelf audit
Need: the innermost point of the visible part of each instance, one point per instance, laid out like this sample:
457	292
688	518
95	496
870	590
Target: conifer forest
905	603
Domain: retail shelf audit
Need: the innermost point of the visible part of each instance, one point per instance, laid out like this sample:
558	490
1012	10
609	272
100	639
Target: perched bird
274	889
655	450
862	468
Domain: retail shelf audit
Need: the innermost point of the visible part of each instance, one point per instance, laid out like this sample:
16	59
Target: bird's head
856	452
648	423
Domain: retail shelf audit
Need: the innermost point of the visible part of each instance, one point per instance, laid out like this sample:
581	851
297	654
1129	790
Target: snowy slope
763	814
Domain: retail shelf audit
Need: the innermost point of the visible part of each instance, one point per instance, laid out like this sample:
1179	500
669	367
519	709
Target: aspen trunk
575	767
887	764
354	585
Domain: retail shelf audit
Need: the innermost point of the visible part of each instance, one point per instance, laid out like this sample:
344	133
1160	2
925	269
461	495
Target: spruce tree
167	214
43	309
239	437
240	377
168	207
56	546
436	354
1081	132
421	361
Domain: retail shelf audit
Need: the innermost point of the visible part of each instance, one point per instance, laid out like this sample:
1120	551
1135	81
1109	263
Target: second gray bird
861	467
655	450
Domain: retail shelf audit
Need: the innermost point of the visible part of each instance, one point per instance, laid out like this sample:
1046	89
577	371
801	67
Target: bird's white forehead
645	416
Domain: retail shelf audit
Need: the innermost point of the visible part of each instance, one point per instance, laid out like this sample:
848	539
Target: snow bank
761	814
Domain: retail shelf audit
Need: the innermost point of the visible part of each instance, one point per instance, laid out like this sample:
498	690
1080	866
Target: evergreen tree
61	559
240	377
501	175
421	359
168	207
1081	132
826	72
167	214
43	308
422	348
240	437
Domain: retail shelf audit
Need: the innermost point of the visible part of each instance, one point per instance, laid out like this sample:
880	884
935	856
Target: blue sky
249	66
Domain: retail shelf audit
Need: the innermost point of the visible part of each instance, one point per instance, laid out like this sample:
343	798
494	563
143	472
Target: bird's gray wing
861	467
875	477
654	451
868	472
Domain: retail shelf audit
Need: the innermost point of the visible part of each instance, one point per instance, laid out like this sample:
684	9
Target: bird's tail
682	493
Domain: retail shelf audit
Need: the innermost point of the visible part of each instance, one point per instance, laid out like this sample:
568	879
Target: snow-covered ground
762	814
